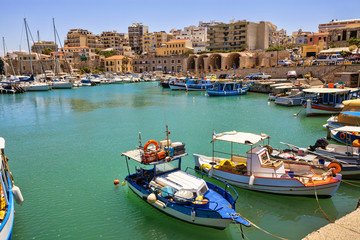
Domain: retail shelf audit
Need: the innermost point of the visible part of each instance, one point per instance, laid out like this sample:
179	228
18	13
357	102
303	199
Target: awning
355	114
335	50
240	137
347	129
326	90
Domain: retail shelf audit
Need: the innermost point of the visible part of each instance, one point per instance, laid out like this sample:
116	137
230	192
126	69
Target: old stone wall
324	72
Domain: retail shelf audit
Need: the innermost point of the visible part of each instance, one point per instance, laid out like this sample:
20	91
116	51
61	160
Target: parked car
335	58
291	74
260	76
284	63
249	76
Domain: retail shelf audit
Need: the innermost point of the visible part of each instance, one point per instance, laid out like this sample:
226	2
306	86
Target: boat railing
225	193
155	188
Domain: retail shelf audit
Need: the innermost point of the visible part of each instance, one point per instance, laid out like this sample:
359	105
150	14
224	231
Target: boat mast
4	58
20	61
56	65
27	38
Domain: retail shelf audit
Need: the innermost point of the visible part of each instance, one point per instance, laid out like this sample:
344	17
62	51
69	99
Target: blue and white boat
177	83
228	88
160	182
346	134
198	85
9	192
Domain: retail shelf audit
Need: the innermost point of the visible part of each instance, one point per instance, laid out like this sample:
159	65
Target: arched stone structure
202	59
232	60
191	63
214	62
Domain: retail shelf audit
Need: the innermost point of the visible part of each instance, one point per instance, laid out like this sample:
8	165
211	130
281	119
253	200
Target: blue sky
105	15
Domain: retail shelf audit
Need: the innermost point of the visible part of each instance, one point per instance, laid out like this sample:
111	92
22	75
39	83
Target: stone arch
201	63
232	60
215	61
191	64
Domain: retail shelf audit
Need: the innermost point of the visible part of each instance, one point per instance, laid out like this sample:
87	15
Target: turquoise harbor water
64	148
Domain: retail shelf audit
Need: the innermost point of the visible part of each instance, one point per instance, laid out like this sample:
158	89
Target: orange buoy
336	167
116	181
342	136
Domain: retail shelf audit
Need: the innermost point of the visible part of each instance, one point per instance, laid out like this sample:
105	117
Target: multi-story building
340	36
81	37
299	37
118	64
112	39
164	63
136	32
175	47
125	51
39	46
151	41
197	35
236	35
336	24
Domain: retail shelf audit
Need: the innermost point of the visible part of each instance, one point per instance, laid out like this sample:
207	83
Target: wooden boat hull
183	213
277	185
6	227
177	86
320	109
216	93
198	87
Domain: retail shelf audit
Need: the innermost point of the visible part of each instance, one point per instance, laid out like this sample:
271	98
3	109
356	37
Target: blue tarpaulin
355	114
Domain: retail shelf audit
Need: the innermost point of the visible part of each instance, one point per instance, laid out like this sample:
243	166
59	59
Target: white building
197	35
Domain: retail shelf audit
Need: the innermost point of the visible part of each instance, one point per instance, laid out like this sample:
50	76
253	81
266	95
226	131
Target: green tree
85	69
274	48
187	53
354	41
47	51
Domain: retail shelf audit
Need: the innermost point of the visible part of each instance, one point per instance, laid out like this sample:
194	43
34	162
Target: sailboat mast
20	61
27	38
4	57
56	65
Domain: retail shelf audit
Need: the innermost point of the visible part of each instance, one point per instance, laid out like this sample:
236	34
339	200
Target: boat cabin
330	96
260	164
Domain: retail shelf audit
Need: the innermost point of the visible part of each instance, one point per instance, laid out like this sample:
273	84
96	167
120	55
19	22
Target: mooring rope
261	228
317	200
348	182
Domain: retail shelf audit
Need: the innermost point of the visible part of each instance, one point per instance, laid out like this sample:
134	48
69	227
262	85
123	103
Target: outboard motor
321	142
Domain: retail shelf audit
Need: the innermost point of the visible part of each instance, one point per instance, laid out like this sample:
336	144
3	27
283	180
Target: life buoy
151	142
336	167
342	136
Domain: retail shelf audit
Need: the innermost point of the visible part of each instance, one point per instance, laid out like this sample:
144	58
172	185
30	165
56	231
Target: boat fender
17	195
168	159
356	143
193	215
342	136
211	171
336	167
251	180
151	198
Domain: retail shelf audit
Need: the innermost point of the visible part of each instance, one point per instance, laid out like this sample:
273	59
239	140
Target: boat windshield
167	167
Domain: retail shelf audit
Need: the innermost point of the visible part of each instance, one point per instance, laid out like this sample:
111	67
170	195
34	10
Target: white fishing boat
160	182
257	171
9	193
36	86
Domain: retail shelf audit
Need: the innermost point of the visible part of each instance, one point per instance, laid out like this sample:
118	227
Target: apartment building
81	37
175	47
151	41
118	64
136	32
39	46
235	35
112	39
197	35
336	24
340	36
